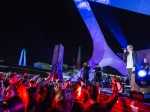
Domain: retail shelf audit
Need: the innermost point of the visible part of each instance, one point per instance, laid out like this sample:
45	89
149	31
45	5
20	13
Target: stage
127	104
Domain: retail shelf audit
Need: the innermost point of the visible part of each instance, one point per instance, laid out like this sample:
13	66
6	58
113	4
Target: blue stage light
109	19
142	73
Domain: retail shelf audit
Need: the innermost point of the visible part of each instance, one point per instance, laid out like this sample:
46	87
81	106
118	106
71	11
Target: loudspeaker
136	84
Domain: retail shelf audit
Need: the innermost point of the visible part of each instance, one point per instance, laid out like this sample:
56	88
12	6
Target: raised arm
125	55
114	97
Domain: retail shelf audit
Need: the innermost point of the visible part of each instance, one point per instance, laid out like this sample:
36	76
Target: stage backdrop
139	6
102	53
141	55
58	60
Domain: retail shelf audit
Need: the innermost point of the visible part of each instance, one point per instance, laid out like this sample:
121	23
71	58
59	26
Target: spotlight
142	78
142	73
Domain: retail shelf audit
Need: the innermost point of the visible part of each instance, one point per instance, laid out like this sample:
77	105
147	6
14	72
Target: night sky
38	26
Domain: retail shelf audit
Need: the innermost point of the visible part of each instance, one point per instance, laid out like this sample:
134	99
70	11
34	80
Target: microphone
124	49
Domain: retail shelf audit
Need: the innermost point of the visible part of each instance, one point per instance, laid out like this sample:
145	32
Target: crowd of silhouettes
22	94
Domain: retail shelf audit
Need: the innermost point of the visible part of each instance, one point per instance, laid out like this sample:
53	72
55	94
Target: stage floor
127	104
109	91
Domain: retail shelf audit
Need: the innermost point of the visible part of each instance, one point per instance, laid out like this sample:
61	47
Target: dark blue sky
39	25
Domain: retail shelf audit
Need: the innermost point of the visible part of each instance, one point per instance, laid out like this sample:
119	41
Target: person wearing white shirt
130	57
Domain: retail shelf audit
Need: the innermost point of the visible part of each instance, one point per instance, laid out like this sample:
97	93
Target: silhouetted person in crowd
17	90
77	105
2	77
38	97
32	92
94	106
46	102
14	104
13	79
63	101
84	93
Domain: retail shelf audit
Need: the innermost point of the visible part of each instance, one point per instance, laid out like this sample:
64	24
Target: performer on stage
145	65
130	57
98	76
86	71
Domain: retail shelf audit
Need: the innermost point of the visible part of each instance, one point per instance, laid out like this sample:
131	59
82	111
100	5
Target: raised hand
113	80
124	50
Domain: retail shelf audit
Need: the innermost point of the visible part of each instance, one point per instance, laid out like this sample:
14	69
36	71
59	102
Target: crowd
29	95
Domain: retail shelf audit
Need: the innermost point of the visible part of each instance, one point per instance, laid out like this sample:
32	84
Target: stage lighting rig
142	73
142	78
